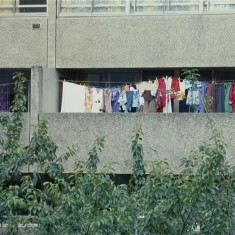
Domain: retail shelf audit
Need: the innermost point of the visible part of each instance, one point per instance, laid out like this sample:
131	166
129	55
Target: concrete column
51	34
35	96
50	100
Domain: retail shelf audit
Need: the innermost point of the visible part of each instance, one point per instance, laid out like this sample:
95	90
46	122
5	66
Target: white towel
73	98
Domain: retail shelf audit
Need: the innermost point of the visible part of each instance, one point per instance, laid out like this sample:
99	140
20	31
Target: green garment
227	106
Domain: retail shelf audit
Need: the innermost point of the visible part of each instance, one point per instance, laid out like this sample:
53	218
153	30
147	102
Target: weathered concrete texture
36	95
21	46
146	41
50	97
166	136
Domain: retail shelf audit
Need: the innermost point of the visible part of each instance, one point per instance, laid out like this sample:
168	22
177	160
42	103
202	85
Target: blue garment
122	100
136	99
202	90
114	100
129	97
220	97
193	97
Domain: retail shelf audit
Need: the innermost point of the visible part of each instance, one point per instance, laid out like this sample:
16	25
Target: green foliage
200	200
191	75
138	166
93	160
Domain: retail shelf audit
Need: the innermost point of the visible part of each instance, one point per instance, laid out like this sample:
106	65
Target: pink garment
162	92
232	97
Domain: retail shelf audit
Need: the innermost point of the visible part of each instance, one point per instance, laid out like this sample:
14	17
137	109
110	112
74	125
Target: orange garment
88	100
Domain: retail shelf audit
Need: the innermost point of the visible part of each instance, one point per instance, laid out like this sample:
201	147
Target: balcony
143	7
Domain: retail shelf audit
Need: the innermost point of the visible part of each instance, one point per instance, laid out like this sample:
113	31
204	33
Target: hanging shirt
126	88
188	84
114	101
149	102
97	100
136	96
154	87
219	92
129	98
227	105
232	97
122	100
181	94
168	108
193	97
140	88
107	97
88	100
210	91
73	98
175	87
202	90
162	92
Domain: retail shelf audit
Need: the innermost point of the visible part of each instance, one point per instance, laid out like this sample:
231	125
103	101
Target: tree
199	200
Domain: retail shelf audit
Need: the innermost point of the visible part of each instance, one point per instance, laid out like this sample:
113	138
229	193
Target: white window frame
14	6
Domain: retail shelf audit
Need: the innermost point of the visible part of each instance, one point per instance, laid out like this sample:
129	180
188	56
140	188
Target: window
92	6
164	6
218	6
79	7
15	7
30	6
7	88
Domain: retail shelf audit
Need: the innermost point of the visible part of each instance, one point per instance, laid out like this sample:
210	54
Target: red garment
232	97
162	92
175	87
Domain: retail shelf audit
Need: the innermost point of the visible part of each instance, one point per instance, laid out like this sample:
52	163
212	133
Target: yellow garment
181	94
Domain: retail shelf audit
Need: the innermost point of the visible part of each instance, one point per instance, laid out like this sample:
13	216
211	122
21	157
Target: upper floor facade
117	33
116	7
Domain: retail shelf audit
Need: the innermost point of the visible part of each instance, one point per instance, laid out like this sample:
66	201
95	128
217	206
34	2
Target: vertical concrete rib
51	34
35	96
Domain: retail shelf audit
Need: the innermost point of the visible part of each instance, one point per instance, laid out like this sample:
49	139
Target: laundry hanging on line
158	95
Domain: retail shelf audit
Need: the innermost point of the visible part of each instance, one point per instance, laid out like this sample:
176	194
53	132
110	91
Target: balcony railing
23	7
134	7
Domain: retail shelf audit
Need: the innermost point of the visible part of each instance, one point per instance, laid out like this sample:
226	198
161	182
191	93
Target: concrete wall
146	41
166	136
50	97
25	130
117	42
21	46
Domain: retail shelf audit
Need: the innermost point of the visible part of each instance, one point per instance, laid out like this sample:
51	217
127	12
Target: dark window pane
33	9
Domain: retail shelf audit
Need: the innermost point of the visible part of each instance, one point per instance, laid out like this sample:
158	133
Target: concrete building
118	41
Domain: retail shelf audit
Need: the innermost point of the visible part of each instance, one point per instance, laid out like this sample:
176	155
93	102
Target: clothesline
134	83
76	81
12	83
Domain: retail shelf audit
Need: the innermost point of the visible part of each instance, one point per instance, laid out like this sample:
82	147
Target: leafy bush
200	200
